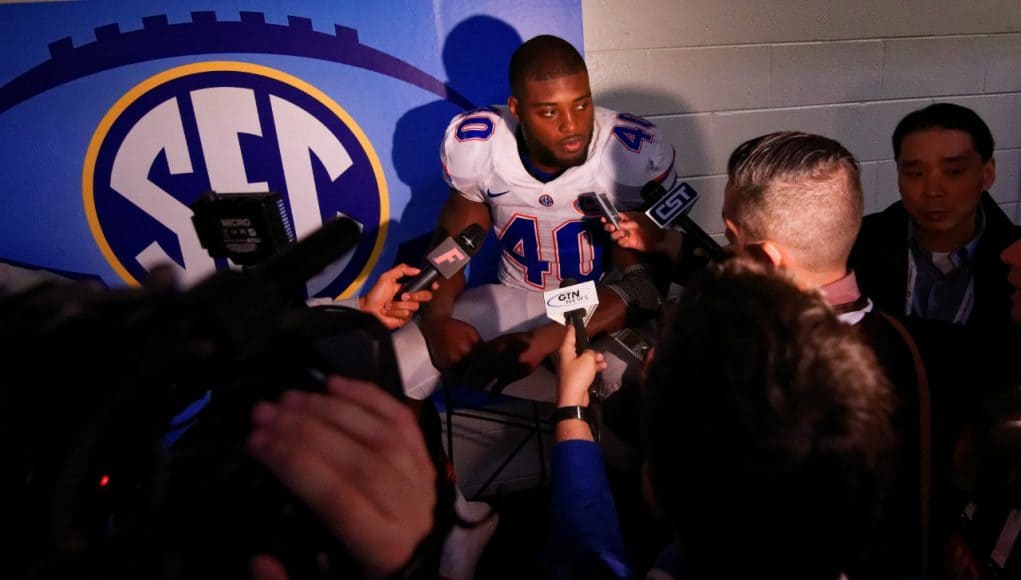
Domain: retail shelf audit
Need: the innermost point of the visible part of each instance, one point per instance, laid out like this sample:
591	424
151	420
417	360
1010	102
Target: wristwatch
571	412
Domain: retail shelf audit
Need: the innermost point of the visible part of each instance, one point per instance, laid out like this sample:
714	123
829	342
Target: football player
520	169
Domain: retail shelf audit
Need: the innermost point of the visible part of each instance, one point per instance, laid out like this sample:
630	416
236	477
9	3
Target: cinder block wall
712	73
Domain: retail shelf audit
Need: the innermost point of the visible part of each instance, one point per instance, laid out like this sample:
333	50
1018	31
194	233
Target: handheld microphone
446	259
573	303
670	206
594	204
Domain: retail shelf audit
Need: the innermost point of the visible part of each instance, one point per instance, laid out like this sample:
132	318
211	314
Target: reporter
584	540
761	411
355	456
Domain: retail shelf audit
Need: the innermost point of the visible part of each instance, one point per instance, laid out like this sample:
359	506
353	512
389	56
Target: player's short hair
799	190
946	116
543	57
767	427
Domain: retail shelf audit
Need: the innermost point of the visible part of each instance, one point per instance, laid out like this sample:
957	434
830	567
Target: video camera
95	487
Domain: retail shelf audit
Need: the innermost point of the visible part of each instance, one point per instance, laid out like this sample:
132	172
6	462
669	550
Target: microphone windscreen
471	238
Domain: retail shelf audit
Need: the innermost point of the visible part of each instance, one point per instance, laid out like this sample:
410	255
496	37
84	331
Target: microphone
594	204
573	303
670	206
289	270
446	259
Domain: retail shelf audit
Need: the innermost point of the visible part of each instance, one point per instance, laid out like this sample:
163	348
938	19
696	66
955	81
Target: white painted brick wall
708	79
880	18
1007	188
825	72
923	67
1003	61
713	73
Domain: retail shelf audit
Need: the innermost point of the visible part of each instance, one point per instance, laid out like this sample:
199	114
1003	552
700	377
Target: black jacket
964	363
880	260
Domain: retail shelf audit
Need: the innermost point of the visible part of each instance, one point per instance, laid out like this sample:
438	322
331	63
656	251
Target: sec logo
228	127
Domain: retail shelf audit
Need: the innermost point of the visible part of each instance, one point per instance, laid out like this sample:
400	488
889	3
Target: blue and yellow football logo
228	127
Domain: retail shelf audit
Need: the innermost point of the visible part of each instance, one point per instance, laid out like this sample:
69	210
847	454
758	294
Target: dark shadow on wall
476	54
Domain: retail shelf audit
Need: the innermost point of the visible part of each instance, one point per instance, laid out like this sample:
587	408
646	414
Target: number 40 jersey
542	231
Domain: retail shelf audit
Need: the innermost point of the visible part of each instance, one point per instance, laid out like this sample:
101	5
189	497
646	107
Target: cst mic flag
671	205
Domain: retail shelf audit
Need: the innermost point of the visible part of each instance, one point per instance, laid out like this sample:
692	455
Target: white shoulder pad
637	150
469	147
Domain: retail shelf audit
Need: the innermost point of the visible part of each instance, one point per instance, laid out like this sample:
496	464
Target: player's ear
512	104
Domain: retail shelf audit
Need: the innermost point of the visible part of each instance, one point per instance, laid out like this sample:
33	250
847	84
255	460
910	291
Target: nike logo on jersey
496	193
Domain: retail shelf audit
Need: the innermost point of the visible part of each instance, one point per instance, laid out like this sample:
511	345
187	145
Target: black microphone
569	305
672	206
577	318
447	258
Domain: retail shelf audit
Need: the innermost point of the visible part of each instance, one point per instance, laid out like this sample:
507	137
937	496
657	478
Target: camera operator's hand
357	458
380	303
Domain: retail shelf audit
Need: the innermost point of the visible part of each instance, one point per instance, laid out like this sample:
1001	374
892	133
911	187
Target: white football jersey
542	231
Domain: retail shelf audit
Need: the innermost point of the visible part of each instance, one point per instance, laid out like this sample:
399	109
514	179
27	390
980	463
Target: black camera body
94	380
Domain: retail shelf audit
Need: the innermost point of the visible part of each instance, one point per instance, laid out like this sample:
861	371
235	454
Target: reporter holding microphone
584	534
384	301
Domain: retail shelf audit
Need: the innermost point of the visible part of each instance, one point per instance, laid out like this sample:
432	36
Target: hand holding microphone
573	304
672	206
446	259
576	371
394	311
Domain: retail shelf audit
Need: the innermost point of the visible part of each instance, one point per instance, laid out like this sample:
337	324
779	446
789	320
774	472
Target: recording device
574	304
248	228
667	207
595	204
93	486
446	259
633	343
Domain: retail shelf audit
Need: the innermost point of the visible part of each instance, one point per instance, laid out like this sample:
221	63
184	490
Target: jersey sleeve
466	153
642	154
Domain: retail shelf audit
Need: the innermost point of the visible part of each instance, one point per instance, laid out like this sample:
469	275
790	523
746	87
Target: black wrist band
571	412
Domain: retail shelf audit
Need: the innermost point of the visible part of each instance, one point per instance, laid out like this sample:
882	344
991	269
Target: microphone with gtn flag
446	259
574	304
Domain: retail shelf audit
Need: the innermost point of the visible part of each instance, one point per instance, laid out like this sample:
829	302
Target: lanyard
963	309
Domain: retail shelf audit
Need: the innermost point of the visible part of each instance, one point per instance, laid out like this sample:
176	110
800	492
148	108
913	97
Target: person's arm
449	339
584	537
357	458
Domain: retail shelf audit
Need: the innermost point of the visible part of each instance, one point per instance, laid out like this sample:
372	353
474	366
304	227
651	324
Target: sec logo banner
228	127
